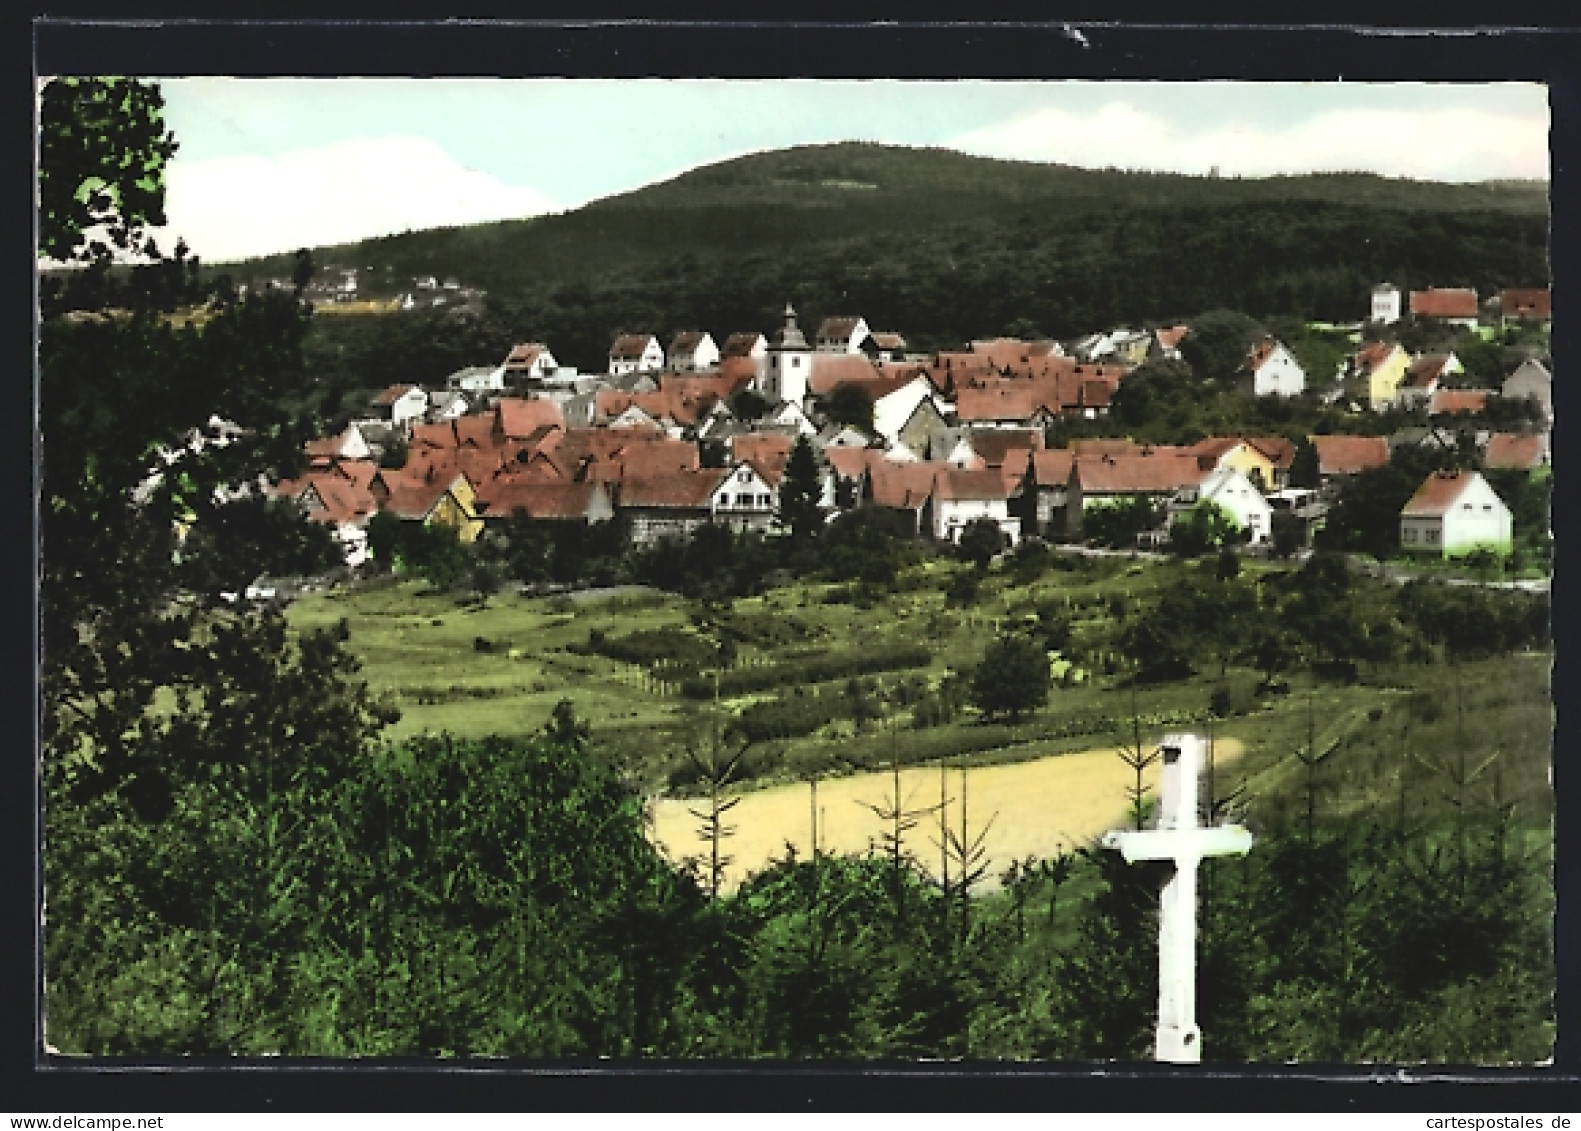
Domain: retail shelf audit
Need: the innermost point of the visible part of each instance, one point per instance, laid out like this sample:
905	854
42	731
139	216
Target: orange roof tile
1513	449
678	489
1444	302
1051	467
521	417
1137	474
1346	455
630	347
905	486
537	499
1438	493
963	484
831	369
1526	302
1453	401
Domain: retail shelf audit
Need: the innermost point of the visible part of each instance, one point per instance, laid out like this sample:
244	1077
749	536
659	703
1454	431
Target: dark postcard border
595	48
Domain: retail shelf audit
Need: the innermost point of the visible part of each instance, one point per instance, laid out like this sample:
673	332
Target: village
703	432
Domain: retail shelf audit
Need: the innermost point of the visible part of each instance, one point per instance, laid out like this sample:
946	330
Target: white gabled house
1454	513
529	361
1234	494
960	496
1271	370
692	351
635	353
401	405
745	499
841	333
894	409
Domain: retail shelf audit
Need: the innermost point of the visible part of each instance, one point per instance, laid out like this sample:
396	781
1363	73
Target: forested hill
943	246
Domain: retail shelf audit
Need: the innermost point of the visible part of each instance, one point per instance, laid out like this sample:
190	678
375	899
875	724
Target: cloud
236	207
1450	144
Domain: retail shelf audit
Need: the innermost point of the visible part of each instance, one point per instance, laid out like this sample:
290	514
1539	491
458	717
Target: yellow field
1038	808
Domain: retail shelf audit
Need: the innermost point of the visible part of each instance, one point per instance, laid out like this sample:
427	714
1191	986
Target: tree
565	729
1218	342
1013	677
980	541
102	153
1206	527
1117	524
1304	466
848	404
748	404
1288	532
302	270
801	490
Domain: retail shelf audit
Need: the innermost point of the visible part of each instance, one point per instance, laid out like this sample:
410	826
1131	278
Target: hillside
944	246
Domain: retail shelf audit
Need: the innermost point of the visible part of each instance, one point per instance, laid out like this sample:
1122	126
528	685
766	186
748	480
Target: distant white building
635	353
692	351
1386	304
842	333
1271	370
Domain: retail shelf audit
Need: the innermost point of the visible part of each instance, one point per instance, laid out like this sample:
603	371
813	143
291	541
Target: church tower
788	366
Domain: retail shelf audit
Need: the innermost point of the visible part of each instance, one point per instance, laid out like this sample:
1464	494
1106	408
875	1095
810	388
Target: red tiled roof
523	354
994	444
1258	354
520	417
630	347
1528	302
413	496
539	499
838	326
1278	449
1425	370
1374	354
711	387
686	342
1170	337
1051	467
1452	401
1346	455
474	431
959	484
741	345
738	371
1137	474
1438	493
905	486
850	462
1105	447
1444	302
768	451
392	394
887	340
676	490
831	369
1513	449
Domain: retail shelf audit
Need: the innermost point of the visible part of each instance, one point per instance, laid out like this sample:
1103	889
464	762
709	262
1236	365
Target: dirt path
1038	807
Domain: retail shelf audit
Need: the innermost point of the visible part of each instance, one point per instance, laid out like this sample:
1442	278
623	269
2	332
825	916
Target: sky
270	165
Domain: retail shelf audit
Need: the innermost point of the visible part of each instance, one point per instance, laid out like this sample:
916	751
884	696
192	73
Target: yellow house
432	499
1375	372
1264	461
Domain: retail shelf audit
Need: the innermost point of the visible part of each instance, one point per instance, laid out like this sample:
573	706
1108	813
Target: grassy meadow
1394	742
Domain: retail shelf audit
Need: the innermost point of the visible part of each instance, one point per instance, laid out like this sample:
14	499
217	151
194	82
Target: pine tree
800	491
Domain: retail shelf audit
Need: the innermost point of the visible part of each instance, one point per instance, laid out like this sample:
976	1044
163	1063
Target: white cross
1179	838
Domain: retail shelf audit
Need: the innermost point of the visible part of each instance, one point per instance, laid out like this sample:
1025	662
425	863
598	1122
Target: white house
1386	304
1234	494
635	353
744	500
693	350
446	405
1271	370
401	404
841	333
790	415
1453	513
529	361
892	410
959	496
789	368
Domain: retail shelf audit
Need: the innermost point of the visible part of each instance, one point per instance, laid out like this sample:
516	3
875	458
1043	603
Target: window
763	500
743	476
724	500
1430	536
795	363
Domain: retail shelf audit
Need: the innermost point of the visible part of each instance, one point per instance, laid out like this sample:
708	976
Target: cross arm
1179	844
